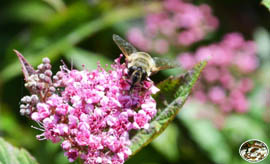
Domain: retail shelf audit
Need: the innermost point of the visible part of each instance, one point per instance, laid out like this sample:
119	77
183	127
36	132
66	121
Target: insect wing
124	46
163	63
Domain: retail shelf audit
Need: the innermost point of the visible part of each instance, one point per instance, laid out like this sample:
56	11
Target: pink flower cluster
225	81
90	112
178	23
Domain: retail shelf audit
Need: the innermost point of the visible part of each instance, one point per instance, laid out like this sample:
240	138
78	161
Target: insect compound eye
131	70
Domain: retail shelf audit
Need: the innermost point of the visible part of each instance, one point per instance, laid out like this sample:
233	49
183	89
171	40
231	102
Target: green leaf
54	49
13	155
171	97
11	127
56	4
240	128
266	3
258	108
204	133
262	40
40	12
89	59
167	143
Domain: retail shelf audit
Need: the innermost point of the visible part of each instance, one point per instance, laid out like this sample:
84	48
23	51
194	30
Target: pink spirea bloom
91	112
177	23
233	55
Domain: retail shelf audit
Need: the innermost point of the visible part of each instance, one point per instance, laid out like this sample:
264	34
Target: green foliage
262	39
54	49
205	133
167	143
13	155
10	125
171	97
266	3
78	56
40	13
238	127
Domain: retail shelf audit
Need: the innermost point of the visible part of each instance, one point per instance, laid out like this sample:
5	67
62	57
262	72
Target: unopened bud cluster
40	85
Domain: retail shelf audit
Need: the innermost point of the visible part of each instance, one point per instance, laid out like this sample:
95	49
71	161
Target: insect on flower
90	112
140	64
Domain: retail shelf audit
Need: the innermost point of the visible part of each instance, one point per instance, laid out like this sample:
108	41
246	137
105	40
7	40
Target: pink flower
245	85
187	60
233	55
211	74
72	154
66	145
217	94
190	16
91	112
187	37
137	38
233	40
200	95
227	80
246	63
173	5
239	101
43	111
141	120
220	56
161	46
211	20
203	53
180	23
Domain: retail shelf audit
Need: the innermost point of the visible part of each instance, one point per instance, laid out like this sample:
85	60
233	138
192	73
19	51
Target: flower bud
47	66
48	73
46	60
34	99
41	67
42	76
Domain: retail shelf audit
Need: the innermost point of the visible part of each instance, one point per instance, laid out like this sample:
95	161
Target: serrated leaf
171	97
266	3
12	155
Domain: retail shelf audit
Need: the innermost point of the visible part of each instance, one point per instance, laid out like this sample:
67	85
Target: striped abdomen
141	59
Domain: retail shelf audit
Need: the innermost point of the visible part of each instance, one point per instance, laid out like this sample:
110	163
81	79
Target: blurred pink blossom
200	95
180	23
138	38
245	84
161	46
232	54
211	74
186	60
238	101
217	95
